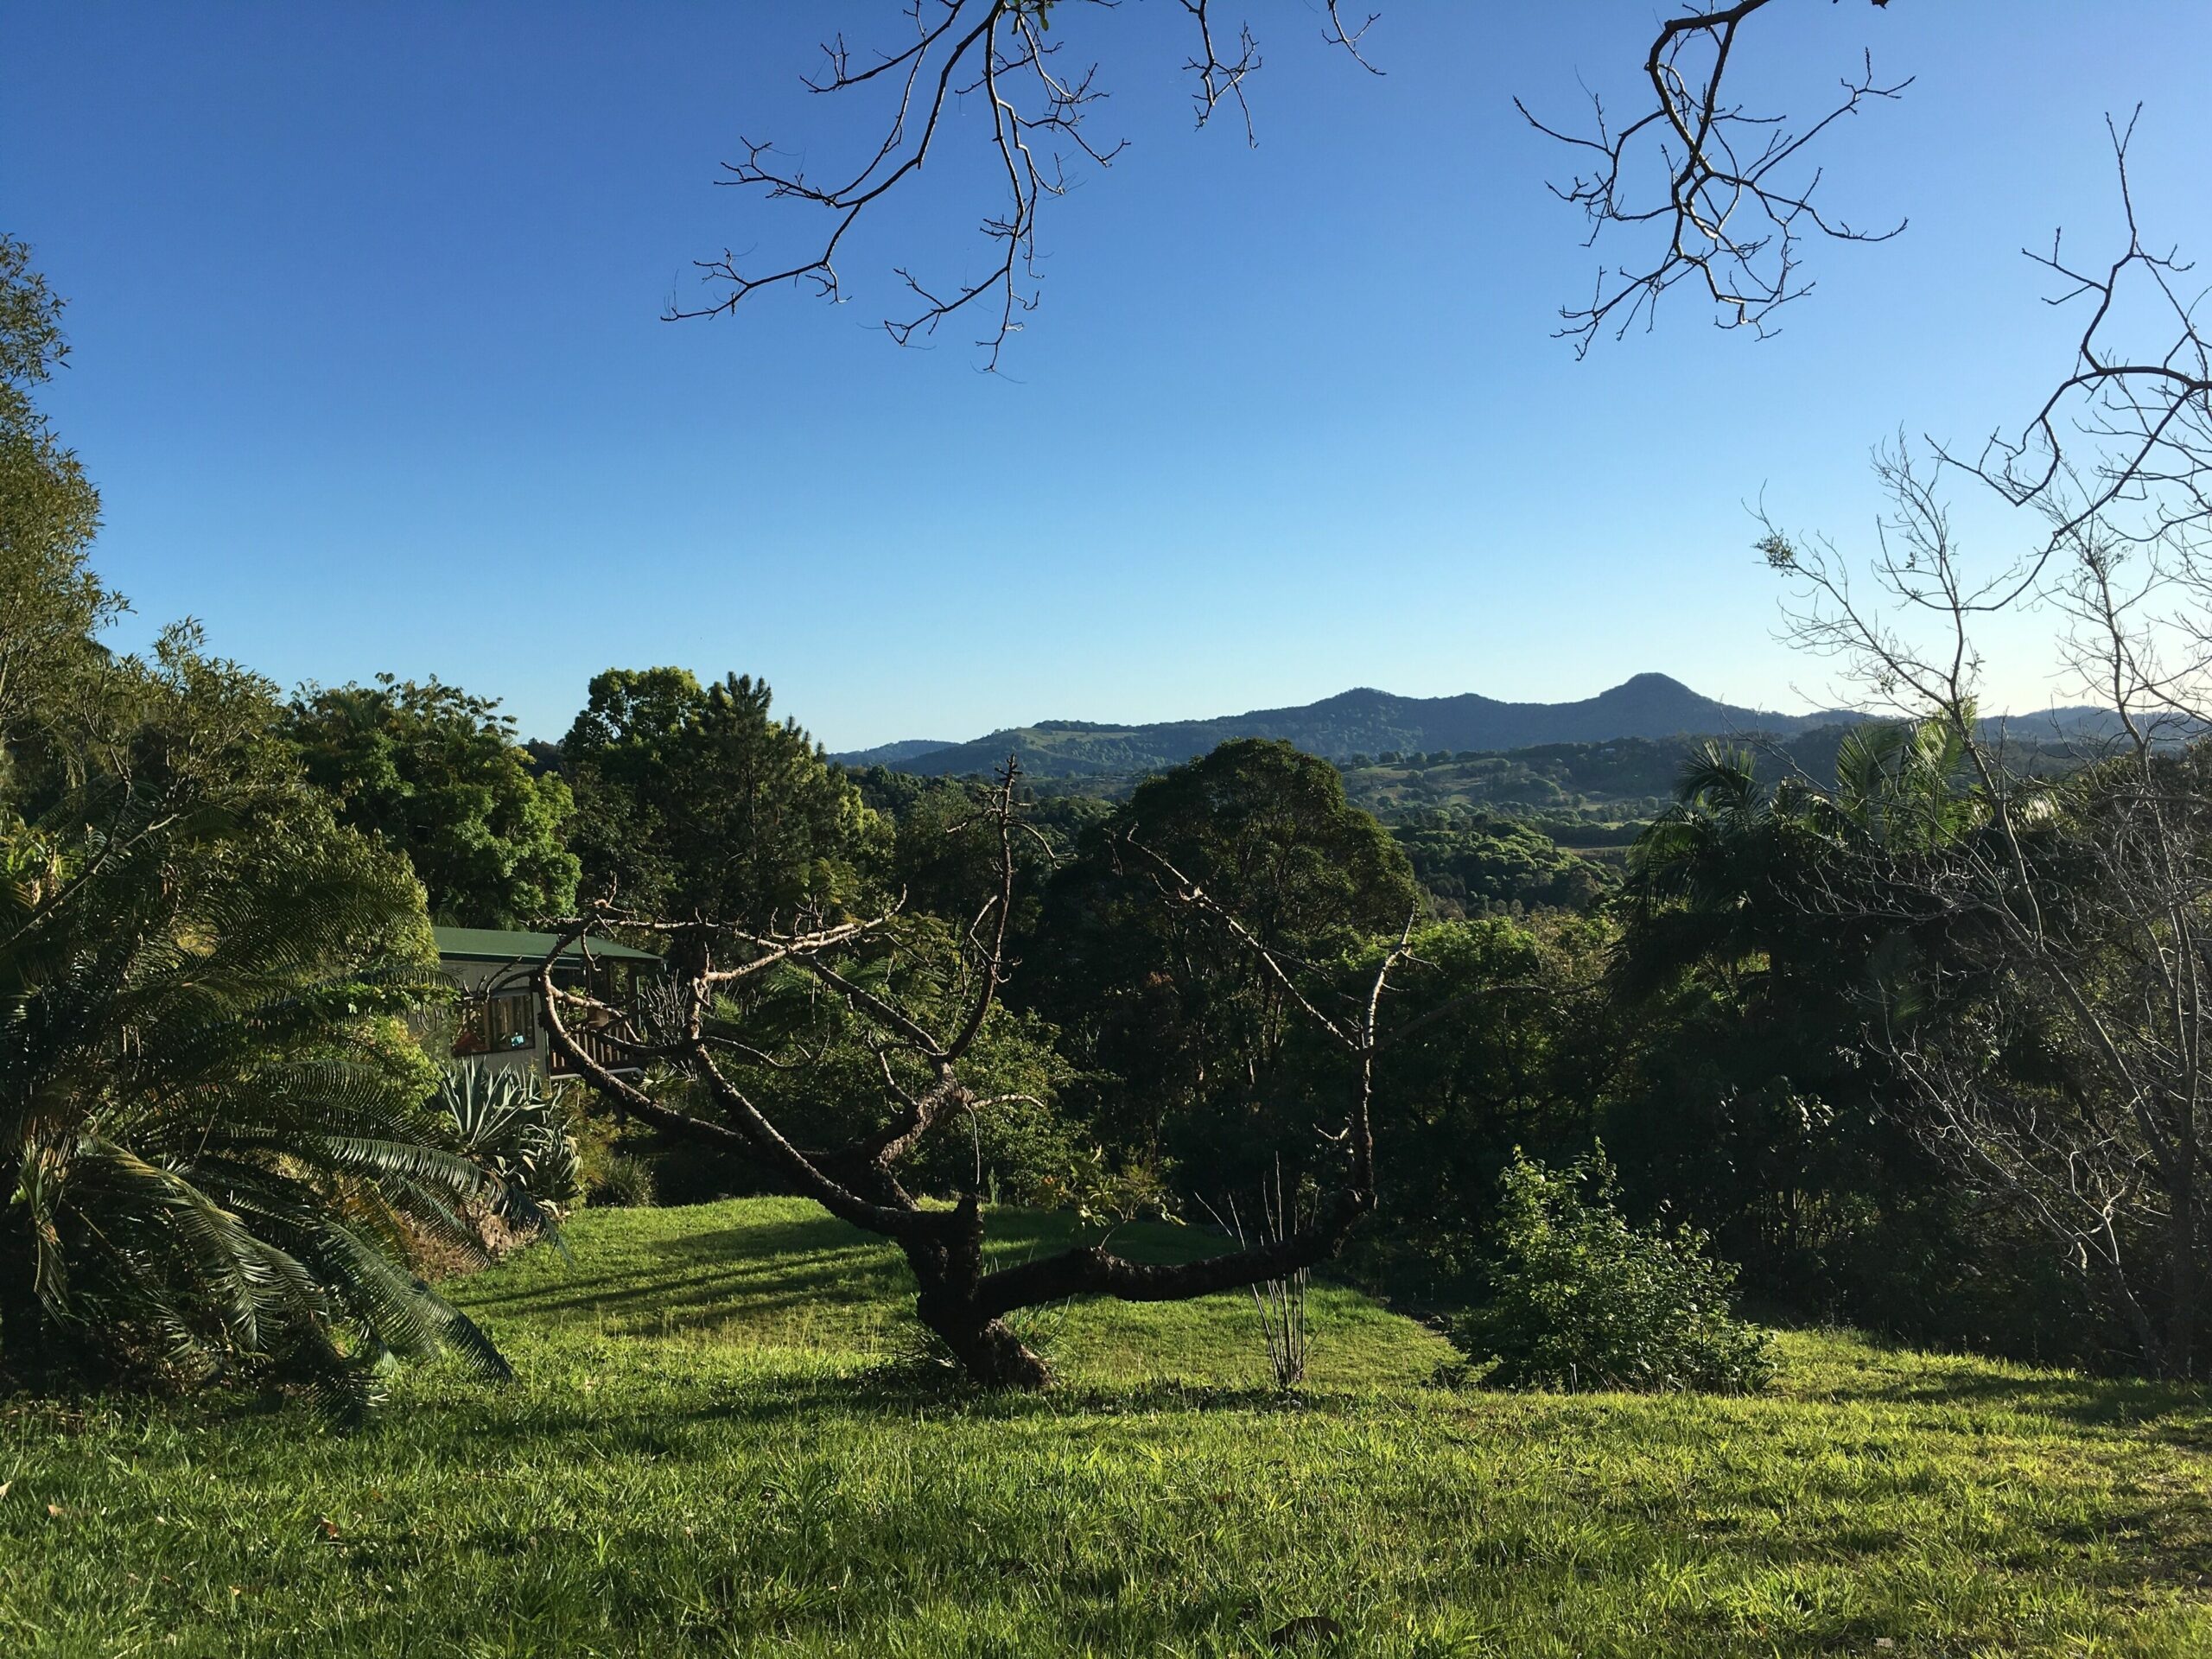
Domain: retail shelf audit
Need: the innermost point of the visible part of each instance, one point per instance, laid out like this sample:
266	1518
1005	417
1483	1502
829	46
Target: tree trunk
2183	1275
949	1264
990	1352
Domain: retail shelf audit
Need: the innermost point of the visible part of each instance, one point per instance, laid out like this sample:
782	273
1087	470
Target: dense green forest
1546	824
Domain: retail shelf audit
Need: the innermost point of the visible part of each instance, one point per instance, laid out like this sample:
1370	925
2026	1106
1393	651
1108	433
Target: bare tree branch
2122	445
1738	201
995	53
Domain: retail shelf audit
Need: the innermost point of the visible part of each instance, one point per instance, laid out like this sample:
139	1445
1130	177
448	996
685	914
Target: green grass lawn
711	1450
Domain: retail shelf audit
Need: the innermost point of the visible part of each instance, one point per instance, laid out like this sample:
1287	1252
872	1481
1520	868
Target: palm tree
1700	877
1898	786
215	1144
1722	852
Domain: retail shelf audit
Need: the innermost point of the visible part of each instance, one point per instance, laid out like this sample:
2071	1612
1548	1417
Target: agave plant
213	1150
508	1126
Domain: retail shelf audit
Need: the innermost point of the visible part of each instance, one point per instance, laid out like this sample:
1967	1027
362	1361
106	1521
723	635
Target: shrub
623	1182
1095	1189
1581	1300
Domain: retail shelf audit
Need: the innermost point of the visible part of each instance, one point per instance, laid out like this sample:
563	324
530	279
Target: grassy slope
699	1458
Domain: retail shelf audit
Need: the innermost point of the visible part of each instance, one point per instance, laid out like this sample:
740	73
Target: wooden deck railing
615	1057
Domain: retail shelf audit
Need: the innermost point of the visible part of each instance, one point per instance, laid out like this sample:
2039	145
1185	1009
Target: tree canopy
693	800
437	774
53	603
1183	1024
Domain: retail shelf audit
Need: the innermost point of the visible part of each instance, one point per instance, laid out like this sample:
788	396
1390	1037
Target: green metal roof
495	944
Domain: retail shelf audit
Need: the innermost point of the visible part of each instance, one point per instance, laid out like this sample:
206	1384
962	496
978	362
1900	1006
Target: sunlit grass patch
707	1451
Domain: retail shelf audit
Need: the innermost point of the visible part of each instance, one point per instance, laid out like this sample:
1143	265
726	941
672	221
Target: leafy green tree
437	774
51	603
1504	1038
1484	864
1725	873
935	867
1754	954
694	801
213	1143
1181	1027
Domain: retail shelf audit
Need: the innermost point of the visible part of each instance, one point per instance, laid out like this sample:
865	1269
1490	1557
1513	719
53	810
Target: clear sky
368	364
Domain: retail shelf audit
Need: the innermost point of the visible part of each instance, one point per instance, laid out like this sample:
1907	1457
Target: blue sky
368	364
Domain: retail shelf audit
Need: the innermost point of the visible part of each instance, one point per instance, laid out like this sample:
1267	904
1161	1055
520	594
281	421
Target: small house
496	972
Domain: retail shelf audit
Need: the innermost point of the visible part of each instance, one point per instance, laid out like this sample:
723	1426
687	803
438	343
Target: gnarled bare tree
696	1025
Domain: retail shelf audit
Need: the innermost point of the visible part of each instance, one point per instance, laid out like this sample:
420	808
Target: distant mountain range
1371	722
1360	721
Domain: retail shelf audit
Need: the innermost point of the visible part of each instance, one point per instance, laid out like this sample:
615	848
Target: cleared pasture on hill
706	1453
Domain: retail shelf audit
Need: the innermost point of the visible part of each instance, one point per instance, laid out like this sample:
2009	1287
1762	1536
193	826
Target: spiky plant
507	1125
214	1145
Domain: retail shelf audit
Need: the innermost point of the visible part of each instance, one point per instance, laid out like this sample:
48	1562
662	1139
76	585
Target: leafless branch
1348	39
996	54
1738	201
2122	445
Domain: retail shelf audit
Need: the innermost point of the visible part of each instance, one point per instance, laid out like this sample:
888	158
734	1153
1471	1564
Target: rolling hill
892	755
1359	721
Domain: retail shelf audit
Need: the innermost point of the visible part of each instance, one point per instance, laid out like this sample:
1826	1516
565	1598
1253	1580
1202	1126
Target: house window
498	1025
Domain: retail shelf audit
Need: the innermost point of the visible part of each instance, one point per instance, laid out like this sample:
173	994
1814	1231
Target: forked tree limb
999	55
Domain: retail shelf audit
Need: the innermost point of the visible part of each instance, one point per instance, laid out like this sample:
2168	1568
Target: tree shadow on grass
2168	1544
2181	1412
756	1275
901	1394
2087	1400
761	1278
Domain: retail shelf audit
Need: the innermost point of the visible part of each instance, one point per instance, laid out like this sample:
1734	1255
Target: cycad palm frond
214	1146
